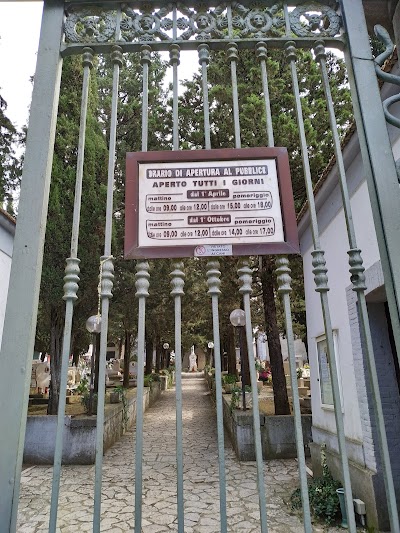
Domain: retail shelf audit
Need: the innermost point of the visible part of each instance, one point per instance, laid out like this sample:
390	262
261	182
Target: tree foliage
123	315
251	108
254	133
196	315
10	161
58	232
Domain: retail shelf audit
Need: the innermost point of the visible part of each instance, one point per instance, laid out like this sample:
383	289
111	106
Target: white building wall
5	267
359	420
6	244
334	242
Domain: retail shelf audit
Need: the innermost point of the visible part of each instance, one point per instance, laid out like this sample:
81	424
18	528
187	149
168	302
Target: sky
18	47
19	38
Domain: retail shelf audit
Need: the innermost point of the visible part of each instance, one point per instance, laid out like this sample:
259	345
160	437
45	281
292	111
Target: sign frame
290	244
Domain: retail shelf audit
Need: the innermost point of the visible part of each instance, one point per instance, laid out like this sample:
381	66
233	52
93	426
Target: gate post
23	294
376	153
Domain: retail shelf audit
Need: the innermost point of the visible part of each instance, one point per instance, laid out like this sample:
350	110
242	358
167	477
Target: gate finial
142	279
213	275
246	278
283	274
178	280
320	271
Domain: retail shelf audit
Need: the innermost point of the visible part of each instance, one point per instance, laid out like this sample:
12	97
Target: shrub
83	386
324	501
85	401
122	392
229	379
148	379
235	396
169	373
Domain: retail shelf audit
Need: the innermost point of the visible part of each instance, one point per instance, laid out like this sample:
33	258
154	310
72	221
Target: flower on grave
265	375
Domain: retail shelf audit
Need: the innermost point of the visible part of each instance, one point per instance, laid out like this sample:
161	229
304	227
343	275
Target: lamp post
211	347
166	361
93	325
238	320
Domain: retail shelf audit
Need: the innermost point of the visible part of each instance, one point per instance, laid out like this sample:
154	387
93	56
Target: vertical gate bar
145	60
174	53
288	31
245	276
321	282
232	54
24	285
204	59
262	54
177	283
174	22
284	281
106	278
71	286
376	153
284	289
214	283
105	289
142	286
229	17
358	281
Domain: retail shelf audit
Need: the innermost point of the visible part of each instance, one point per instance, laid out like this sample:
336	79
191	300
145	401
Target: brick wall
386	374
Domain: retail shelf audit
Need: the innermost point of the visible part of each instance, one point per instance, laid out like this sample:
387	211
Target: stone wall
79	438
277	433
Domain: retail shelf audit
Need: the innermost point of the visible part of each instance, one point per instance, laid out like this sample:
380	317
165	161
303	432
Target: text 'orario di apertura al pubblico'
210	202
234	203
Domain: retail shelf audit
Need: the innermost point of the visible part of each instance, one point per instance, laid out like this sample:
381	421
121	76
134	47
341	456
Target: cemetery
277	431
232	231
79	436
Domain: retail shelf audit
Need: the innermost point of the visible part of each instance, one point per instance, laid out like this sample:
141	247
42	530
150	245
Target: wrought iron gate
114	28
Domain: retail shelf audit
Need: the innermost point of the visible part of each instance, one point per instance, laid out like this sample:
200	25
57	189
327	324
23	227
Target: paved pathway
201	485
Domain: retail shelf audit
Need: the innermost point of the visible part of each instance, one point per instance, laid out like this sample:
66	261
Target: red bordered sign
209	202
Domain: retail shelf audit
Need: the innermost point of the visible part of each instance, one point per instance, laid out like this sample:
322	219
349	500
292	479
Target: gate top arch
161	24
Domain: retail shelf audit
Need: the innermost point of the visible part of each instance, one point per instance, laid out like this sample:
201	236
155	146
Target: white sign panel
209	203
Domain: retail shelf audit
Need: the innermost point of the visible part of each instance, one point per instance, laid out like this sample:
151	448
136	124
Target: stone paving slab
201	482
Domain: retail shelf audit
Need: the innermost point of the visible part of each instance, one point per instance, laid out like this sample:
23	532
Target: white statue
40	376
192	361
73	377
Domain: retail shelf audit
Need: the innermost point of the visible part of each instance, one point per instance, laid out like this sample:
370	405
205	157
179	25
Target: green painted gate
114	28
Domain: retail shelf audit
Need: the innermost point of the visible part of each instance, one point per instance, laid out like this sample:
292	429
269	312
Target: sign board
209	203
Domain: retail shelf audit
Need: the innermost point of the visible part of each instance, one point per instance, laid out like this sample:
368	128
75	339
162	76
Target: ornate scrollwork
143	22
147	25
314	19
204	24
384	38
258	21
89	25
